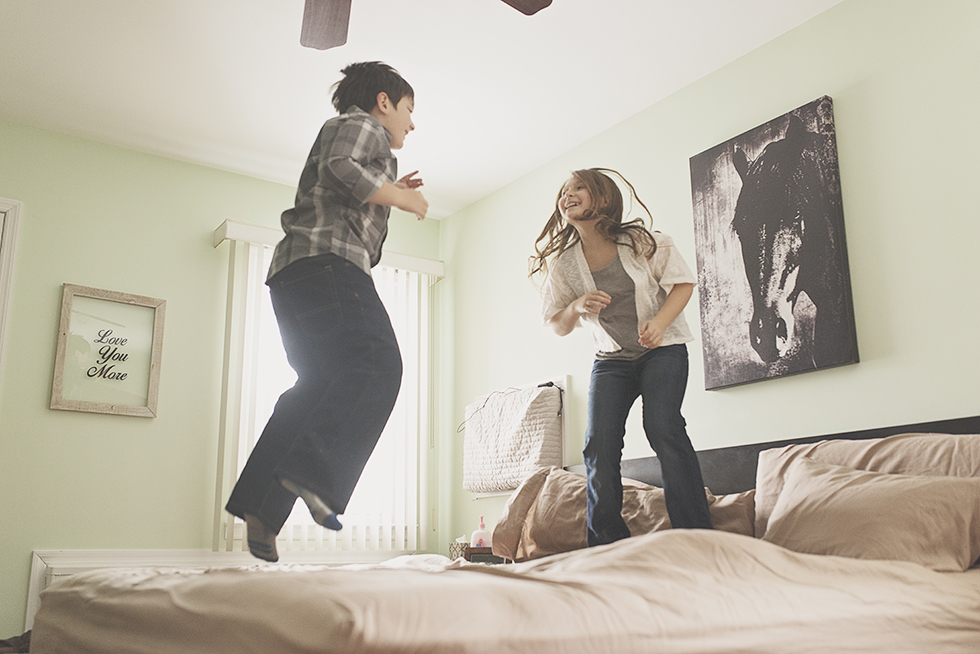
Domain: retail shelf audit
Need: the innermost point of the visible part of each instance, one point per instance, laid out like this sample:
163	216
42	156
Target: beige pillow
829	509
941	455
547	514
507	532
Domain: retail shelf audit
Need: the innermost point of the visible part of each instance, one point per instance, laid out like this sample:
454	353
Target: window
386	511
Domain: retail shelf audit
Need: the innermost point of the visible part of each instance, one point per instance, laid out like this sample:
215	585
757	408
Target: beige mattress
671	591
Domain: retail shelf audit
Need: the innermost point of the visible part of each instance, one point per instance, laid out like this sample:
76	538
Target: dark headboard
732	469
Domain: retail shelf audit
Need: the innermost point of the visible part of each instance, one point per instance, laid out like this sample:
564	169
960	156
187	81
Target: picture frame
773	278
109	349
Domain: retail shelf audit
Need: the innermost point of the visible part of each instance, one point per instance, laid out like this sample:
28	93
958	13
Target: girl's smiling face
574	201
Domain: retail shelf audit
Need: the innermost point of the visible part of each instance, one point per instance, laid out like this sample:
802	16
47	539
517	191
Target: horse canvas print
773	280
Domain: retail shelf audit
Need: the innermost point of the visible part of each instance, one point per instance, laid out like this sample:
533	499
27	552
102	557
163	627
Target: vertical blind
386	508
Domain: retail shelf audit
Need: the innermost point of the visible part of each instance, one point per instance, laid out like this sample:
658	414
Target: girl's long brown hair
606	210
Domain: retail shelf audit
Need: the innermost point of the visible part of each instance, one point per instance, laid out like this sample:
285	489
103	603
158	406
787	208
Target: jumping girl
631	285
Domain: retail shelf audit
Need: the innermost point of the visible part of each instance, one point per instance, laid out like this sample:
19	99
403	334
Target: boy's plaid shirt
348	163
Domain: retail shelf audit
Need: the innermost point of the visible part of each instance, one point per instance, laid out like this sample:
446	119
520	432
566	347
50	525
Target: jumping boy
335	330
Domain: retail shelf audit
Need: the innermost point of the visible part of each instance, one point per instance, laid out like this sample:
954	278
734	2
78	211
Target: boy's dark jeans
338	338
660	376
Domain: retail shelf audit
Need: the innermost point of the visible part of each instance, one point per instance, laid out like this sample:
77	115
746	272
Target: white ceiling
225	83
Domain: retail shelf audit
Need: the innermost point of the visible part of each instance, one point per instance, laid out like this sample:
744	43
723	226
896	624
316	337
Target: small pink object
481	537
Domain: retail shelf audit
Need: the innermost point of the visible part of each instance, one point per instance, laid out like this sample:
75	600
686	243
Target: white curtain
385	511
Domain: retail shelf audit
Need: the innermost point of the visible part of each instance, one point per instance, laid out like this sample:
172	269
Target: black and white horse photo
774	285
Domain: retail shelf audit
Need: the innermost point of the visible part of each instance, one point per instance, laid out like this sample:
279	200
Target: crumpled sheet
677	591
546	515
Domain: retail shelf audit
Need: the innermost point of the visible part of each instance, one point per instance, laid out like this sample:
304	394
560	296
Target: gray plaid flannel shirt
348	163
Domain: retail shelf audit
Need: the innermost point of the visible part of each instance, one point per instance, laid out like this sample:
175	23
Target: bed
858	542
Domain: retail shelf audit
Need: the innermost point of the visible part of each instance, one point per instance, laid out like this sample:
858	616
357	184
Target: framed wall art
109	350
773	280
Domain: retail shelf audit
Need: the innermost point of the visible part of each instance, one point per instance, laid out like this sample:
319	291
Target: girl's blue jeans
660	378
339	340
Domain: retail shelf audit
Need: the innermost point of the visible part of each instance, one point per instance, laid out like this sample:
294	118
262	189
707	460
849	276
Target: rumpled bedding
676	591
671	591
546	514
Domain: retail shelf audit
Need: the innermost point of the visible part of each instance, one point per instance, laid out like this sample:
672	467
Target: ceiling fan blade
528	7
325	23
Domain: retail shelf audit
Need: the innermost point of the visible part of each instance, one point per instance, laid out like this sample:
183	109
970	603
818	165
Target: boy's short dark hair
363	82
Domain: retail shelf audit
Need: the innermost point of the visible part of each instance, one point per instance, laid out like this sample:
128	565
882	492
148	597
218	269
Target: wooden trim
9	225
234	231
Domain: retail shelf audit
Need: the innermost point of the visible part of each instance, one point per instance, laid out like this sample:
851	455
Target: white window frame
10	211
302	542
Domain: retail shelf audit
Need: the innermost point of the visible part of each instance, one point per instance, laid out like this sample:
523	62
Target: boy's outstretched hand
413	201
403	195
409	181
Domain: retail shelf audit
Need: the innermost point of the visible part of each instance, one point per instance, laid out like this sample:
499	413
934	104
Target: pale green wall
904	79
110	218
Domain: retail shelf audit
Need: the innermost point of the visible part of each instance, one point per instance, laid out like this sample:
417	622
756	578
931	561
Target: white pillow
829	509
